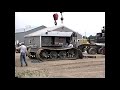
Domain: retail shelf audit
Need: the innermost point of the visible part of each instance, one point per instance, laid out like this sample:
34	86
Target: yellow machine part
84	41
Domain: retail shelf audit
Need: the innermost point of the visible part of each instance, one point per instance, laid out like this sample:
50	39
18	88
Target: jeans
23	58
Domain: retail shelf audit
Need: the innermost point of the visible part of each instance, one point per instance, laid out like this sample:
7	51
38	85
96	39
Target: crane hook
61	17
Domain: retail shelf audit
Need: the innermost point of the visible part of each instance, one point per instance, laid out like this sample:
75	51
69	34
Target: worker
23	52
70	45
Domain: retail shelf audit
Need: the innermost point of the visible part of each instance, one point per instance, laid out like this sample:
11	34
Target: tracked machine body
54	46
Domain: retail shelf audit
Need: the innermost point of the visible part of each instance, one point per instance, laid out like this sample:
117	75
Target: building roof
54	32
20	30
30	30
57	33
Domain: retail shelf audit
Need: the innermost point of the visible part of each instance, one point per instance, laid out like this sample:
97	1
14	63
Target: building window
30	41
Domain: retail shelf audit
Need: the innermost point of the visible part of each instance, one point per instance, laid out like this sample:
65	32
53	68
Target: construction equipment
61	17
55	45
97	47
100	41
55	16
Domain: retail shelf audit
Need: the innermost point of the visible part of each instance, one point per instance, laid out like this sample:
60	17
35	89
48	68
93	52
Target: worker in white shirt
70	45
23	51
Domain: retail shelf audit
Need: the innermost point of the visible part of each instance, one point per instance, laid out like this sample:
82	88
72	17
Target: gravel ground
80	68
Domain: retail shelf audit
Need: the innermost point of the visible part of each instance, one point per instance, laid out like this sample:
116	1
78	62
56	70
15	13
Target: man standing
23	51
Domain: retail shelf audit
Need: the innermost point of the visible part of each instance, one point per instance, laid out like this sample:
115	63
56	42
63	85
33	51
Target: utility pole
24	36
85	35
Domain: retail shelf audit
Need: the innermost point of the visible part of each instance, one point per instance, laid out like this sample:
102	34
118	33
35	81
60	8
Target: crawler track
56	54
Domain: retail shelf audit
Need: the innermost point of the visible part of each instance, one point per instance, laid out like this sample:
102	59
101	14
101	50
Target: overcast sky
81	22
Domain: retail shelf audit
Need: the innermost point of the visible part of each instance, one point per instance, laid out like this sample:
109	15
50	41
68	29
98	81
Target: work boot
26	65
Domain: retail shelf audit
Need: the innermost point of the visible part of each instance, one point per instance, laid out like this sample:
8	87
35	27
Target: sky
85	23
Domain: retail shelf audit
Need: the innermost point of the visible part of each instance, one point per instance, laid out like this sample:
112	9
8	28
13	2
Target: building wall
60	40
20	36
32	40
46	41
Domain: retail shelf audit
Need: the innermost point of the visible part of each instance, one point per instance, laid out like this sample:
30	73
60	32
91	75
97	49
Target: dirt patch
80	68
